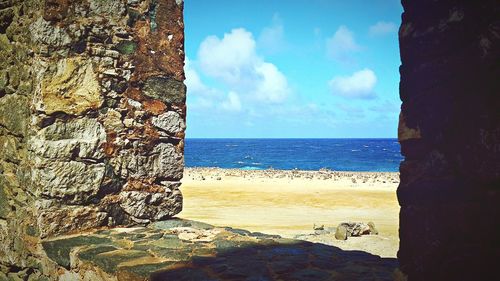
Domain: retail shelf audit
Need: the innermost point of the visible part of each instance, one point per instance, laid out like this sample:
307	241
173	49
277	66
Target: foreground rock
188	250
348	229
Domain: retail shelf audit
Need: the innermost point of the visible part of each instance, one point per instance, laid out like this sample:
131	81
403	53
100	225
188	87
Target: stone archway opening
92	109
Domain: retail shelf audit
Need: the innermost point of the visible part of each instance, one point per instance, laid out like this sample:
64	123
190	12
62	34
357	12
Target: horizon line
297	138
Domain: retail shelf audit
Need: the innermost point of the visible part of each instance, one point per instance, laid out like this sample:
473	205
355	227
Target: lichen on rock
78	148
72	89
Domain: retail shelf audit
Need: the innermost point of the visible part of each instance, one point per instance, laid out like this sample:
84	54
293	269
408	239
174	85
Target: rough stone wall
92	117
450	136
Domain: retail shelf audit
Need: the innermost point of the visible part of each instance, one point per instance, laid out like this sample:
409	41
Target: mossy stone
126	47
14	114
32	230
4	202
58	250
145	270
165	89
109	261
89	254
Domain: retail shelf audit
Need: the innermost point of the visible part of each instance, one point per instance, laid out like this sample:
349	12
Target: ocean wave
250	168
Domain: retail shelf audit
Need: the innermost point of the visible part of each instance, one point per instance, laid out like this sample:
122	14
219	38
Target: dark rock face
78	147
450	134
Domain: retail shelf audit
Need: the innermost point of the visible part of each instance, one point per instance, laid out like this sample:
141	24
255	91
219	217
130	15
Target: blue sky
292	69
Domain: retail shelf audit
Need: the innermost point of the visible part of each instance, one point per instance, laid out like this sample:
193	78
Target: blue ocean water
381	155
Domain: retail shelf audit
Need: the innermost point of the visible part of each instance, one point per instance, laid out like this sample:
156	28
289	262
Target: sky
292	68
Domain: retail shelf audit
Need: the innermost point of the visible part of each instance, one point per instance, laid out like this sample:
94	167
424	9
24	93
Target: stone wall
92	118
450	136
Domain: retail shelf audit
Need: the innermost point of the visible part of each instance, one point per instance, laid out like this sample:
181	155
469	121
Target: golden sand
289	203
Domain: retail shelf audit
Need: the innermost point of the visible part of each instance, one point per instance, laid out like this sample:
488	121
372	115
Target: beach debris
341	233
318	227
348	229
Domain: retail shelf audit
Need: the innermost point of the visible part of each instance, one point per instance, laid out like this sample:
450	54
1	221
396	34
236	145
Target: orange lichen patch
55	10
110	199
180	146
109	147
134	93
146	185
180	135
154	106
160	50
147	134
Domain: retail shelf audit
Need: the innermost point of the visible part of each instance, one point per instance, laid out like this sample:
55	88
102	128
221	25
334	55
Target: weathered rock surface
188	250
153	206
80	84
73	89
165	89
78	138
170	122
348	229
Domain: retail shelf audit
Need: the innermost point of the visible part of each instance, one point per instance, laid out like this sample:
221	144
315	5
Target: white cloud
195	85
232	103
382	28
234	61
359	85
193	81
272	38
273	86
341	44
230	57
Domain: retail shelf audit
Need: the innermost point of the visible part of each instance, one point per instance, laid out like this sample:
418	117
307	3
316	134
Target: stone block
73	88
166	89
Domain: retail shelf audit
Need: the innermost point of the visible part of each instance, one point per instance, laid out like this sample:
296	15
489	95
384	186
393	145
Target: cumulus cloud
232	103
341	44
273	85
382	28
193	81
272	38
234	61
358	85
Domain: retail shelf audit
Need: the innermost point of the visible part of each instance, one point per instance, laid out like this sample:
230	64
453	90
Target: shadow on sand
297	260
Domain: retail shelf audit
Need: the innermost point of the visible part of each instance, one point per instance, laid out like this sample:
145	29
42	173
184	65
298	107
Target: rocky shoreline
215	173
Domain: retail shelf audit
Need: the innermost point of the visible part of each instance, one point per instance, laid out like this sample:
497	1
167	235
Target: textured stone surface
165	89
154	206
78	148
170	122
78	138
186	250
73	89
449	133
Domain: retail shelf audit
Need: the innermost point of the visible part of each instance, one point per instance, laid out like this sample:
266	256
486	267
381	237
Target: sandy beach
290	203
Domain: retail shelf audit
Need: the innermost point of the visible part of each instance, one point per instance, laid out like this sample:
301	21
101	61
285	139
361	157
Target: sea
374	155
